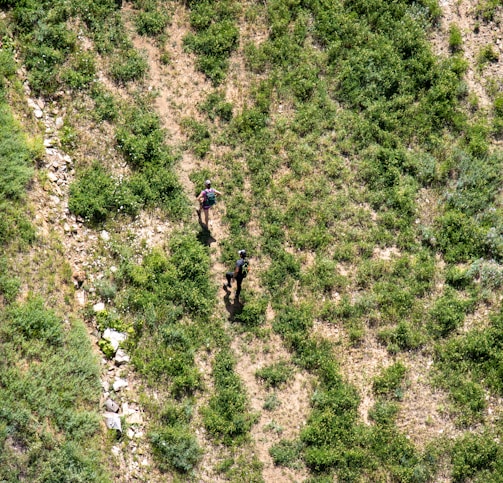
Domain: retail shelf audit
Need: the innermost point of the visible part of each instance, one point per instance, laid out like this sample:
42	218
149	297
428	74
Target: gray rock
113	421
112	406
121	358
99	307
135	418
119	384
59	122
114	337
105	236
38	113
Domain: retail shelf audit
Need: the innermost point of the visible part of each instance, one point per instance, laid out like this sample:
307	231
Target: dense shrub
275	374
390	383
174	447
128	66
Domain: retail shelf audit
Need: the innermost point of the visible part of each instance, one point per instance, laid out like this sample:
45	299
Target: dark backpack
244	269
210	199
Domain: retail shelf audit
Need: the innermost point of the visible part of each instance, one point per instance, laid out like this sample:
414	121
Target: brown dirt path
179	88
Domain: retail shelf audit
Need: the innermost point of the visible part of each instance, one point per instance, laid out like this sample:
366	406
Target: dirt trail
179	89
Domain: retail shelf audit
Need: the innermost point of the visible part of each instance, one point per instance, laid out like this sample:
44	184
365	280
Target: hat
242	253
207	182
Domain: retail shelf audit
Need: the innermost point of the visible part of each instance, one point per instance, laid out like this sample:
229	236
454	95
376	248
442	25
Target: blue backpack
210	197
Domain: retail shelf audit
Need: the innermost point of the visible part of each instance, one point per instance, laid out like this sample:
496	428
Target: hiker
240	272
207	198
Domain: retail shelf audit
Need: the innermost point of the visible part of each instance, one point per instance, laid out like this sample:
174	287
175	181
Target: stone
105	236
119	384
49	143
116	451
135	418
112	406
38	113
113	421
52	176
121	358
99	307
114	337
59	123
55	200
105	385
66	228
130	433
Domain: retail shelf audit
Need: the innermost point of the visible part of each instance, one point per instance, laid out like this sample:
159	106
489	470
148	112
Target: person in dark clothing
239	273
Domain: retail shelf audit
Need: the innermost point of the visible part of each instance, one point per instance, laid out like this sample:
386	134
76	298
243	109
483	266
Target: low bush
128	66
175	448
447	314
275	374
455	38
151	22
390	383
286	453
226	417
476	455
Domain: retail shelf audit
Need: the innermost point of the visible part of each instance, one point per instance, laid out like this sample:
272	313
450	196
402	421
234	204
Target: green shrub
104	105
152	22
128	66
199	136
95	195
80	72
33	322
474	454
458	237
286	453
390	383
447	314
253	313
455	38
402	337
384	412
174	447
486	55
275	374
216	107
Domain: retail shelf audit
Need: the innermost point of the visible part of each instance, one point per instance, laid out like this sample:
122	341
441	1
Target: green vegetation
49	388
357	171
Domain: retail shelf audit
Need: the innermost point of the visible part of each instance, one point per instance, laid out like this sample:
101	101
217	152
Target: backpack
244	268
210	198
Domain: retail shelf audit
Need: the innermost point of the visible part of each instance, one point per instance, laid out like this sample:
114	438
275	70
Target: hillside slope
357	147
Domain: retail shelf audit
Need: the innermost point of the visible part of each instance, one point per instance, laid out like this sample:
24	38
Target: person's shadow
235	307
204	236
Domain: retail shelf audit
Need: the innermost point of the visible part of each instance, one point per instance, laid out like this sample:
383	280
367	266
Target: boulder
113	421
121	358
119	384
114	337
112	406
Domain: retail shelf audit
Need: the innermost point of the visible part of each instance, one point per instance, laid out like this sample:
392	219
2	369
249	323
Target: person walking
207	198
240	272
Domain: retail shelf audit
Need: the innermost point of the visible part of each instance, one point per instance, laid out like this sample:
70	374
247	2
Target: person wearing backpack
207	198
239	273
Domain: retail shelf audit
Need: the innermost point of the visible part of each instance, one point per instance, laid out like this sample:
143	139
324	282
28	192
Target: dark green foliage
226	417
455	38
95	195
105	105
199	136
476	455
447	314
286	453
275	374
80	72
216	107
49	388
458	237
215	38
402	337
253	313
152	20
174	447
128	66
390	383
384	412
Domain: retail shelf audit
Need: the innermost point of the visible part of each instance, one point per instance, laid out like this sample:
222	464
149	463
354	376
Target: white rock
105	236
130	433
99	307
52	176
114	337
116	451
113	269
119	384
80	297
121	358
38	113
113	421
55	200
135	418
48	143
59	122
66	227
112	406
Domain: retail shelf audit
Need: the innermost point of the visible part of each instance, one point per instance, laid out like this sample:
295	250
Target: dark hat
242	253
